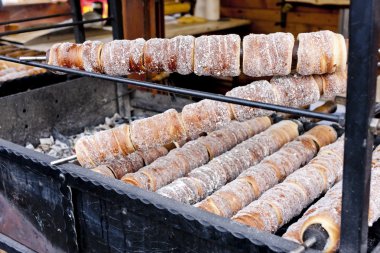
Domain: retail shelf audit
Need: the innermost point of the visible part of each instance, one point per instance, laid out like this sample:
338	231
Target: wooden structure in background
143	19
28	11
266	16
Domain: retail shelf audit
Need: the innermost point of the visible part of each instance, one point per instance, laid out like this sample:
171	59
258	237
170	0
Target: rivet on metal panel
62	178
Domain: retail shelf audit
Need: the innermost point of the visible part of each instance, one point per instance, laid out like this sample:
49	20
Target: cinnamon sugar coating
152	154
217	55
259	178
267	55
179	162
158	130
296	90
155	54
180	55
334	84
122	57
258	91
288	198
91	56
321	52
229	165
205	116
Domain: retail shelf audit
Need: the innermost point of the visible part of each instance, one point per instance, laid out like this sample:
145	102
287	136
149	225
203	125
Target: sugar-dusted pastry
158	130
226	167
258	91
280	204
267	55
205	116
91	52
123	57
296	90
155	54
217	55
321	52
254	181
180	55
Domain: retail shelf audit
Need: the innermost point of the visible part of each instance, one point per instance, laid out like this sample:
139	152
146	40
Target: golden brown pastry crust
157	130
91	53
229	165
267	55
320	53
287	199
217	55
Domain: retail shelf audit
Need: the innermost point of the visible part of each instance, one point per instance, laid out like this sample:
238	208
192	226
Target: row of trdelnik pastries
171	126
216	55
327	211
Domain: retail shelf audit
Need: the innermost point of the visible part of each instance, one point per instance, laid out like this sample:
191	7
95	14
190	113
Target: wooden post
141	17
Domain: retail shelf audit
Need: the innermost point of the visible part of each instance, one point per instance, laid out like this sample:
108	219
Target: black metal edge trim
41	163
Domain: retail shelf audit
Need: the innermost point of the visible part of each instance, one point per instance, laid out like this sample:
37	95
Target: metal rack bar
35	18
361	93
31	29
200	94
117	19
79	34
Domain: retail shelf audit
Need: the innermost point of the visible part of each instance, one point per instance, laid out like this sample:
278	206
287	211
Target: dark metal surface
157	102
29	83
67	107
79	33
361	91
37	211
183	91
74	24
116	19
116	217
34	18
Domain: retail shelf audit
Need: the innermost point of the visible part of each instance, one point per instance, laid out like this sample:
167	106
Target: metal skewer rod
306	244
32	58
64	160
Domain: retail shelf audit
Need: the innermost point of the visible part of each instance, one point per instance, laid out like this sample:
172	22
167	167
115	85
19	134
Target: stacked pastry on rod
254	181
113	153
217	55
278	205
119	166
326	213
180	161
204	180
171	126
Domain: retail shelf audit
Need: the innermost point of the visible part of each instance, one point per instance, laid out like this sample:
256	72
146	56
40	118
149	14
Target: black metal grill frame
362	69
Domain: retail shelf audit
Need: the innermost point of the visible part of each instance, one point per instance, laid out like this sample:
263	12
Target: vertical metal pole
160	19
115	10
361	93
77	16
117	19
